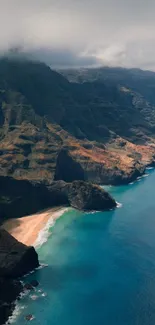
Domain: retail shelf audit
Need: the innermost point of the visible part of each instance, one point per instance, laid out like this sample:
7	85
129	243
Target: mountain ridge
107	129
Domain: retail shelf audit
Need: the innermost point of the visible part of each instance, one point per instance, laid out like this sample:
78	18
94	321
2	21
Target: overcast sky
81	32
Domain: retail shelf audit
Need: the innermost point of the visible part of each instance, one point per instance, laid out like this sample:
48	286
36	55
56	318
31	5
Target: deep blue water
101	266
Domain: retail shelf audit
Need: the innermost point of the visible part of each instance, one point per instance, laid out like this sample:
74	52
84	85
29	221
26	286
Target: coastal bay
27	229
100	265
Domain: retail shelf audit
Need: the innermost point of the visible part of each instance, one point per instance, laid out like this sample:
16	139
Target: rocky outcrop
9	291
16	260
85	196
19	197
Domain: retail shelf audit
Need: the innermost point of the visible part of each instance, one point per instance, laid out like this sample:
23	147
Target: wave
119	205
15	314
44	233
41	266
145	175
18	308
149	168
42	238
139	178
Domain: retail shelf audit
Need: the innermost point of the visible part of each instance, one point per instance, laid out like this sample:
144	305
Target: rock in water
16	259
29	317
28	286
34	283
86	196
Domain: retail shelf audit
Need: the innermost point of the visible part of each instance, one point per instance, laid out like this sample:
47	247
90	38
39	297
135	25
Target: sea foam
119	205
18	309
15	314
145	175
44	233
42	238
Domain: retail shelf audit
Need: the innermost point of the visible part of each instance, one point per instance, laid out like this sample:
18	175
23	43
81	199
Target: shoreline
32	230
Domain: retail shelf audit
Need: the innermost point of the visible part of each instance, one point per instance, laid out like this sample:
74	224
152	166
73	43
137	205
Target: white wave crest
15	314
34	297
44	233
119	205
145	175
41	266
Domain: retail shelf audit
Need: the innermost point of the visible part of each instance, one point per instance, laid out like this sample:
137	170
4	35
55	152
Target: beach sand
27	229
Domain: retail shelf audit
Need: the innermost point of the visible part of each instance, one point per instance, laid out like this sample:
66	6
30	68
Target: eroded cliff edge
16	260
21	197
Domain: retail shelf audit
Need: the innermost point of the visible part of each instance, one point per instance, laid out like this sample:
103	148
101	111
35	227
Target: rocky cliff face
98	166
9	291
106	126
16	260
19	197
67	168
86	197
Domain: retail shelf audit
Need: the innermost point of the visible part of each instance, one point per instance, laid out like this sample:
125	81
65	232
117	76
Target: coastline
31	230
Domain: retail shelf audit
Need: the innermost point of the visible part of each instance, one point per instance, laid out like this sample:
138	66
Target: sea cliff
16	260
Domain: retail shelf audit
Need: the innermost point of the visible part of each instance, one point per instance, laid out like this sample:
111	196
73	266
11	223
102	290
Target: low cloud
79	33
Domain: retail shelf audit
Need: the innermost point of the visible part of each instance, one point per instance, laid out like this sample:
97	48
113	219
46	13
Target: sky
81	33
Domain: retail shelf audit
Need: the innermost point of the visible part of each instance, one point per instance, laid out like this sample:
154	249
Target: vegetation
104	118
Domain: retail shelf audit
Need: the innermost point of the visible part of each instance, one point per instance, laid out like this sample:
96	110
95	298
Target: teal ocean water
101	266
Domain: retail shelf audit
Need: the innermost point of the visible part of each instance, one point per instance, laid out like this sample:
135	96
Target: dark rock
85	196
67	169
16	259
18	198
9	292
45	196
28	286
29	317
34	283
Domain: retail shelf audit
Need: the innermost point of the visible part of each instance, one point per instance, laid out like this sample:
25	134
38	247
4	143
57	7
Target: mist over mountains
67	33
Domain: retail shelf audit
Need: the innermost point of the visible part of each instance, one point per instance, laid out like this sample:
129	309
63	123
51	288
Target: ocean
101	265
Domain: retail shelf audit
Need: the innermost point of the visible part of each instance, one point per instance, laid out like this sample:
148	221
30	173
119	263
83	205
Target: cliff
105	125
16	260
83	196
21	197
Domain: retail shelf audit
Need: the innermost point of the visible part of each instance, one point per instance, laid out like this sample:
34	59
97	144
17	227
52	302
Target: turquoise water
101	266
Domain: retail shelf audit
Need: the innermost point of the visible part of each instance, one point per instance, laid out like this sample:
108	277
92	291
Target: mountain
100	128
128	92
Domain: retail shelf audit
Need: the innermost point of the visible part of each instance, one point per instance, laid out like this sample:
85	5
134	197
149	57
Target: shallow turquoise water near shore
101	266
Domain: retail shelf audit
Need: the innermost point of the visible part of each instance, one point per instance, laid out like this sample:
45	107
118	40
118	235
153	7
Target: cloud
81	32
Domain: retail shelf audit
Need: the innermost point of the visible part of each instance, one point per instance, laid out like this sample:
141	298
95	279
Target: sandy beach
28	228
